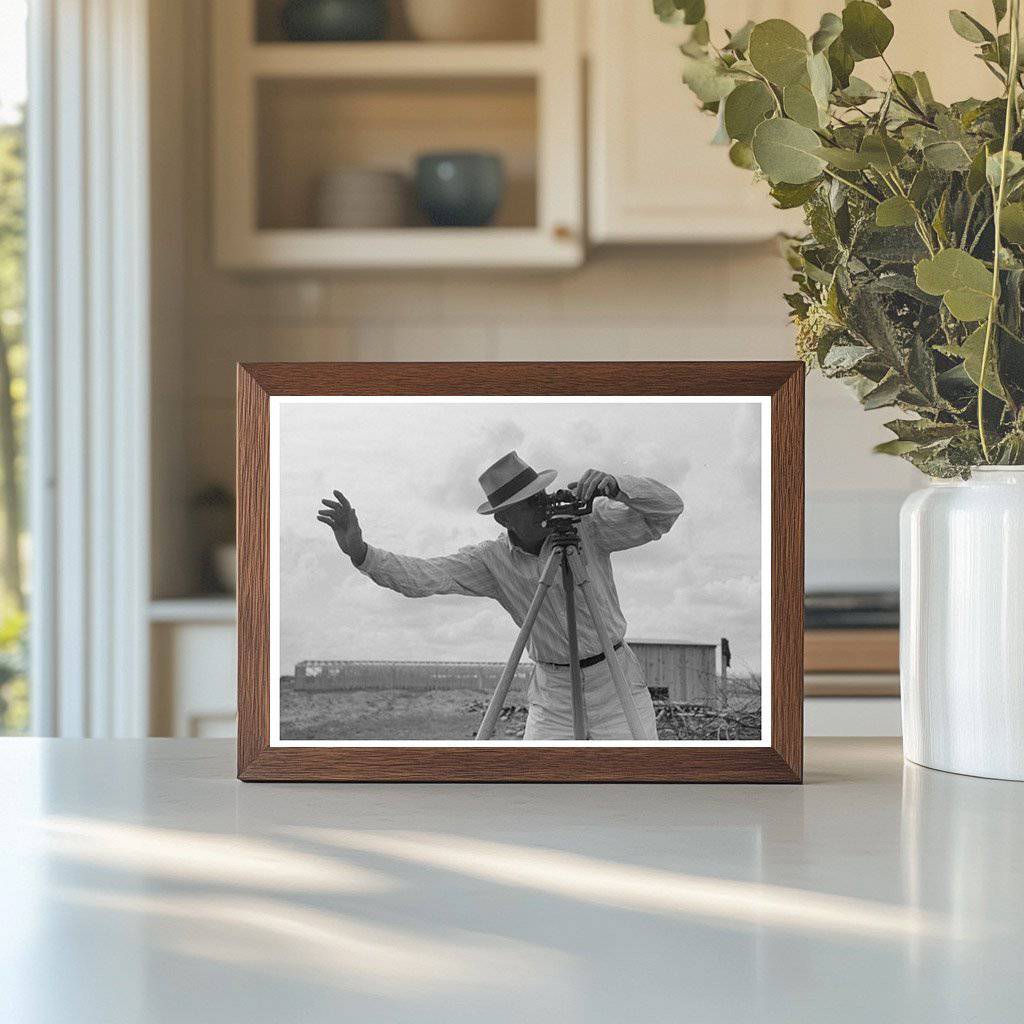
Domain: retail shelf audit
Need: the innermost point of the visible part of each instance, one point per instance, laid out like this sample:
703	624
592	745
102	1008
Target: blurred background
246	180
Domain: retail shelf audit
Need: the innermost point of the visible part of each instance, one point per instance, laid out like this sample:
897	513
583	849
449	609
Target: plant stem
907	99
1011	107
853	185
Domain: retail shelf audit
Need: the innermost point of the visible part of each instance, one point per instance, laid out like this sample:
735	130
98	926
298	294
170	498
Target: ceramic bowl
332	21
470	20
460	189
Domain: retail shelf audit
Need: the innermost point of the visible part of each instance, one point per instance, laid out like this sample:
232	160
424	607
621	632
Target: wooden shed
687	669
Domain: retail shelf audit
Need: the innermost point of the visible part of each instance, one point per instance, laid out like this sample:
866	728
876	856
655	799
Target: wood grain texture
780	762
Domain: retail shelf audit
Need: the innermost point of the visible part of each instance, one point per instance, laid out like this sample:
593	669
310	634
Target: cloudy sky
411	470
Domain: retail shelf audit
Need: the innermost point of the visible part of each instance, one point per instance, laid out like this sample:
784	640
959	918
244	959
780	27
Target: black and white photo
542	570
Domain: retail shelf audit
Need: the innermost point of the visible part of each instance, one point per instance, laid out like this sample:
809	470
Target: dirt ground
384	715
456	715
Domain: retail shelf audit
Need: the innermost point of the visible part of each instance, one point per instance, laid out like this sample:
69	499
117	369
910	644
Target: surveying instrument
563	513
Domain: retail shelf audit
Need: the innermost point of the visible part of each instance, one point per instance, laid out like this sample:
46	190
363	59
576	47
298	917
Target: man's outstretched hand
595	483
341	517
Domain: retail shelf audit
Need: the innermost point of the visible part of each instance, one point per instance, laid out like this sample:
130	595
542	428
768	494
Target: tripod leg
579	721
579	570
486	729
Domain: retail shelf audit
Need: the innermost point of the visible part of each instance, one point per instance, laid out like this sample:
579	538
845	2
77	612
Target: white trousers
550	697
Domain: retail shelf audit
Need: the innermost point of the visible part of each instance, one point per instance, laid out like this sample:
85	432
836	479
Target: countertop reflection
140	882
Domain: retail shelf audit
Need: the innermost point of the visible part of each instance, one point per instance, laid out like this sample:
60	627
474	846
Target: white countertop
140	882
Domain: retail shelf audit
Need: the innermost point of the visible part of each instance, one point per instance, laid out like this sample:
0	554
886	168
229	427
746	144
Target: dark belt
594	659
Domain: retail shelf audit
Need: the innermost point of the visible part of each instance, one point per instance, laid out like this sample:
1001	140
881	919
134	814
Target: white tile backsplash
715	303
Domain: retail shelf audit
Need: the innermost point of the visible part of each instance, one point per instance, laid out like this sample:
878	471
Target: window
14	691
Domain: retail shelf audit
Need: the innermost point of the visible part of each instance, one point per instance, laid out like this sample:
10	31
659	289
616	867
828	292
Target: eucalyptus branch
1011	108
771	90
977	237
852	184
909	100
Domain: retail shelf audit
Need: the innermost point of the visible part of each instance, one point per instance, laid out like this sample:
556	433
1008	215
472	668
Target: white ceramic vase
962	624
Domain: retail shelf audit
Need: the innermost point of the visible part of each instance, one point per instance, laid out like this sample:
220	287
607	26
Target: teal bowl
460	189
334	21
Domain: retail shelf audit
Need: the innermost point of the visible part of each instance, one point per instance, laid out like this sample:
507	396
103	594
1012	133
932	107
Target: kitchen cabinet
286	114
654	177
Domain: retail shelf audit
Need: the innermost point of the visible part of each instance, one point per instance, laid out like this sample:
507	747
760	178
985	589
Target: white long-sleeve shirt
497	568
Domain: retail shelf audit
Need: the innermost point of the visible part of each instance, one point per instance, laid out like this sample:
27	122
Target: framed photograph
520	571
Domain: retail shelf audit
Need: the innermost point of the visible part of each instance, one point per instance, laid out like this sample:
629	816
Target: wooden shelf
393	60
319	248
284	114
852	650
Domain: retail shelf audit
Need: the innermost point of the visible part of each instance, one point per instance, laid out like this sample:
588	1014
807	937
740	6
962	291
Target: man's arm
465	572
639	510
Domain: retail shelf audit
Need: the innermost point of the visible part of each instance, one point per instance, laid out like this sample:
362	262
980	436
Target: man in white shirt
635	510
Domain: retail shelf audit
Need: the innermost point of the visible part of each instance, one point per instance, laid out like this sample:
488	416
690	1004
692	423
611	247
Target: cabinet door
654	177
653	174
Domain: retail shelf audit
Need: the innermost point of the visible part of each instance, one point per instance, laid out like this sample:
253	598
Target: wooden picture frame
780	759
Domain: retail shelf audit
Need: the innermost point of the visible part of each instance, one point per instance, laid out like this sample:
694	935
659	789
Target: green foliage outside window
13	412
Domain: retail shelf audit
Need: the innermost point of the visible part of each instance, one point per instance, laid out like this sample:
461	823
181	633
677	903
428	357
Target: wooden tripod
566	556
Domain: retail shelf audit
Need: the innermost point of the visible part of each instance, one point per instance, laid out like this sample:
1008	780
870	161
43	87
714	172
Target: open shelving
285	113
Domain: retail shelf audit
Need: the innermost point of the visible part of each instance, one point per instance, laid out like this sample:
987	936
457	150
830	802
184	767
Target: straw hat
509	481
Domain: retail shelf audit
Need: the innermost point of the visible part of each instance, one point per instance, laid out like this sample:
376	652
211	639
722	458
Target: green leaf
707	78
969	28
745	108
883	152
721	136
857	91
963	281
666	10
690	12
701	34
895	212
786	151
739	41
788	196
866	29
947	156
741	155
829	29
840	62
819	74
885	394
906	84
923	431
924	88
976	173
993	165
1011	225
801	106
999	9
889	245
895	447
971	352
939	220
779	51
844	159
922	185
693	10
